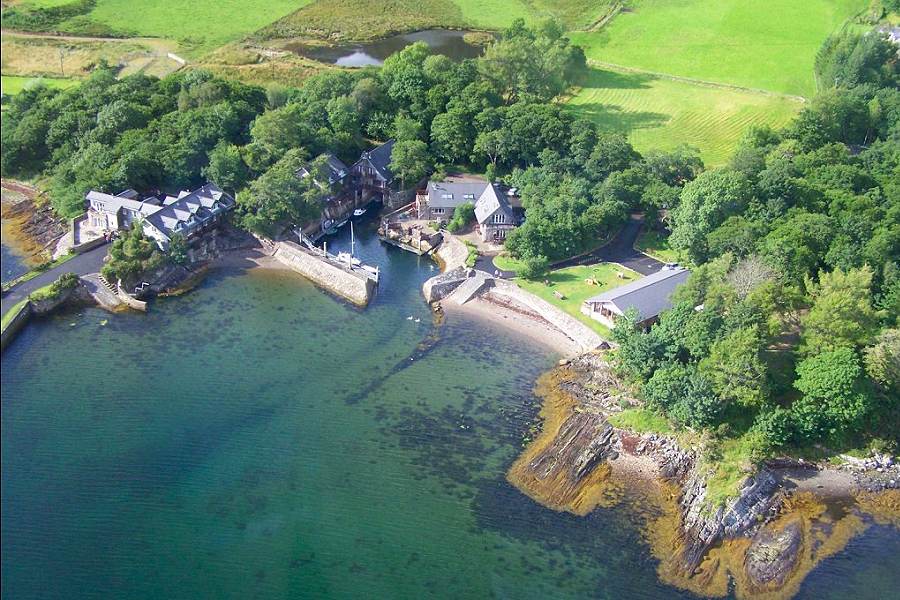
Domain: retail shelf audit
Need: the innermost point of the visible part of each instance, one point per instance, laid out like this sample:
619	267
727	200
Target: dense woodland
787	334
787	331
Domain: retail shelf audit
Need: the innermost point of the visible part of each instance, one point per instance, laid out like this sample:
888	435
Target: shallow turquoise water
258	439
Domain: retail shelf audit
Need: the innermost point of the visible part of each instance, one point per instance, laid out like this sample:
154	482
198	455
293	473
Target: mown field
658	112
201	25
12	84
765	44
198	25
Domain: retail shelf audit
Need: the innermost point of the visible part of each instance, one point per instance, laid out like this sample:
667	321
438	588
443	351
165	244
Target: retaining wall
334	278
441	286
572	327
15	325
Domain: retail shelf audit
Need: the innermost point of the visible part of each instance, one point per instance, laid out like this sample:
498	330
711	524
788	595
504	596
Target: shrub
462	216
684	394
776	426
534	267
836	395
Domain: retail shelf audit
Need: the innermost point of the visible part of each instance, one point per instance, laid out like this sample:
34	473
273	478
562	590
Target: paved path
619	250
486	264
89	262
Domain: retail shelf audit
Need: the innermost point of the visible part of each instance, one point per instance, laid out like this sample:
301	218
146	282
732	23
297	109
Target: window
468	196
446	196
437	211
497	218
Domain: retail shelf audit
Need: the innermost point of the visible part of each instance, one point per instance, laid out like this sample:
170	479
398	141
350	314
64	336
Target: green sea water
257	438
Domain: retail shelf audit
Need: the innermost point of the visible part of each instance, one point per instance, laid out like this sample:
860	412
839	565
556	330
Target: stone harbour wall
441	286
337	279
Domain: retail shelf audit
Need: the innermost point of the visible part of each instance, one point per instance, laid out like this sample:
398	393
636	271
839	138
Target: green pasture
765	44
200	25
13	84
662	113
571	282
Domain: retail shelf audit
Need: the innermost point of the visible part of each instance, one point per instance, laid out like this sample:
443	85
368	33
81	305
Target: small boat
359	212
346	257
329	227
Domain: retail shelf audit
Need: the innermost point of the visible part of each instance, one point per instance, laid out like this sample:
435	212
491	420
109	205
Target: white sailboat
348	257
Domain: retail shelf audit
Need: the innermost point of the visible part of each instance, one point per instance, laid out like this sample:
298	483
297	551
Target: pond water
440	41
258	439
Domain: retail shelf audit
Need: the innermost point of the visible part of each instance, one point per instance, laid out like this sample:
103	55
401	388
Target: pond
368	54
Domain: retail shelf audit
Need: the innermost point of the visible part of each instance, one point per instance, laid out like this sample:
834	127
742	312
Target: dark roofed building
188	214
337	170
371	174
497	208
649	296
442	197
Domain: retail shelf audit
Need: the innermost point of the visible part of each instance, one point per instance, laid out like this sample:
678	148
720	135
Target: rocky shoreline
29	228
764	541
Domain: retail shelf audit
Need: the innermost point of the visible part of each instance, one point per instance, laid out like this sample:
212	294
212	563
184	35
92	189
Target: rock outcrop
703	527
773	556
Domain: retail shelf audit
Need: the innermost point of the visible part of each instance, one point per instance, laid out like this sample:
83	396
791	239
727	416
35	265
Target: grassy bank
767	45
68	58
13	84
661	113
572	284
656	244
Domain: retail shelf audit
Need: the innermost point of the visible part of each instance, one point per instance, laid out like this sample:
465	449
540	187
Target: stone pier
353	284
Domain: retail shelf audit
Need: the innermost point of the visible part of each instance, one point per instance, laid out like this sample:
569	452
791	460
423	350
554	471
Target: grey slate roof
112	204
380	158
492	199
337	168
190	211
459	192
649	296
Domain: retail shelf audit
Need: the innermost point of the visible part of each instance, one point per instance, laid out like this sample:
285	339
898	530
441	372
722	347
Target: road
619	250
89	262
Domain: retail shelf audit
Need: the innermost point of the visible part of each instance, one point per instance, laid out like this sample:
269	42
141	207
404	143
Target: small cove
257	438
440	41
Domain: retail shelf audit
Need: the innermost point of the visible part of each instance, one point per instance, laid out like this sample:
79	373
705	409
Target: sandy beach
519	322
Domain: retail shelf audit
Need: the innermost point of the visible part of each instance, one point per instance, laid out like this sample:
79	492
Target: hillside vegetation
764	44
370	19
199	25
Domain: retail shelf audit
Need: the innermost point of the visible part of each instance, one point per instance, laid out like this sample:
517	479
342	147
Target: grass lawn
661	113
508	263
497	14
570	282
641	420
656	245
200	25
13	84
766	44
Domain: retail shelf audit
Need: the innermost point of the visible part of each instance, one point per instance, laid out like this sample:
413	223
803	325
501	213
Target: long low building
649	296
161	217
